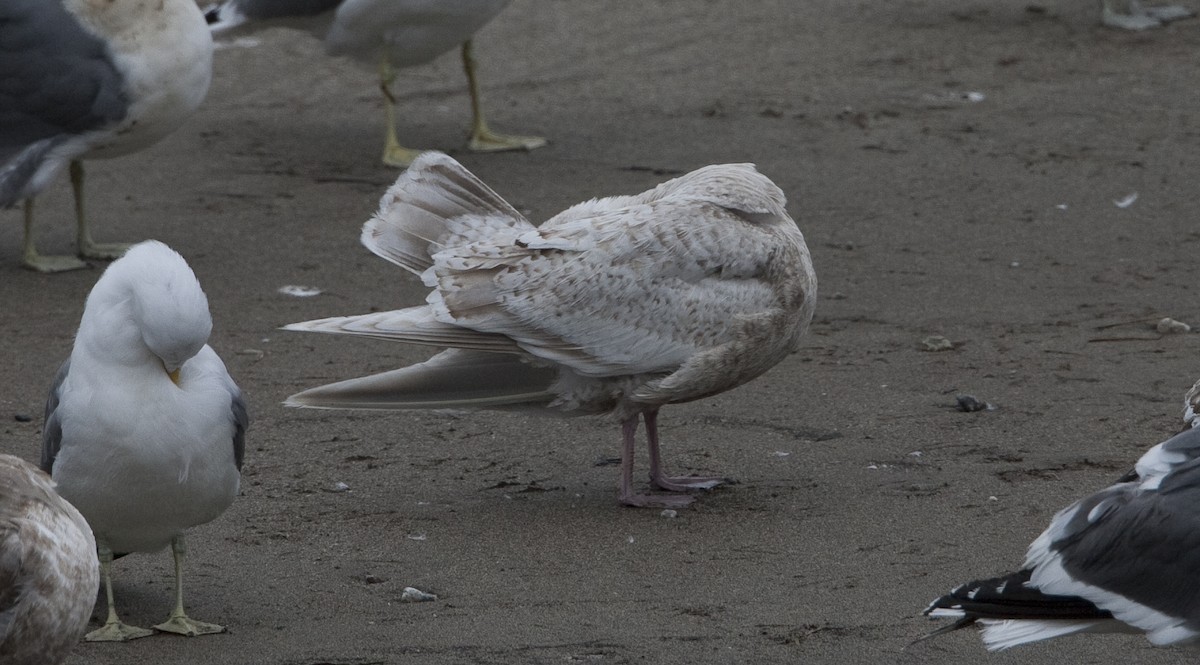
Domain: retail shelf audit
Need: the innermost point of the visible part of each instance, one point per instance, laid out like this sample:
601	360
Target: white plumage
617	305
144	426
48	572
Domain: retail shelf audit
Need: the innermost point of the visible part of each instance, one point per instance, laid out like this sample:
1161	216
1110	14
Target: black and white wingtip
1011	612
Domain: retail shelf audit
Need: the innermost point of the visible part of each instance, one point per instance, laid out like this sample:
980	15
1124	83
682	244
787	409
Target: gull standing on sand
48	573
81	79
145	429
1125	559
390	35
617	305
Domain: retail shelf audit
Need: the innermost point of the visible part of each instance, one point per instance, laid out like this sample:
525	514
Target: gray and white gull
48	572
619	305
81	79
1125	559
145	429
390	35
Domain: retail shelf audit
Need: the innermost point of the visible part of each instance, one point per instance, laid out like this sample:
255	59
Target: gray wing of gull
52	431
56	80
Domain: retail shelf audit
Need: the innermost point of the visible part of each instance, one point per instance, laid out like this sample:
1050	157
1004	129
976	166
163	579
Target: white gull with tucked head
617	305
144	426
1126	558
48	572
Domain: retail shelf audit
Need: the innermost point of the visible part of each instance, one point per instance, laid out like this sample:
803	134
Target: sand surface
954	165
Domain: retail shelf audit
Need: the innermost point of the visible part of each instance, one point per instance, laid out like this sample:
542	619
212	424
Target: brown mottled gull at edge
48	568
618	305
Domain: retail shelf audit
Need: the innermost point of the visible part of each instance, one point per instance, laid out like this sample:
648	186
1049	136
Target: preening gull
48	573
617	305
1126	558
144	427
81	79
1132	15
390	35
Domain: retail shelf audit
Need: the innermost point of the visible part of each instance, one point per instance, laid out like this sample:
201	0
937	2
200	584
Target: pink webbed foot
686	483
657	500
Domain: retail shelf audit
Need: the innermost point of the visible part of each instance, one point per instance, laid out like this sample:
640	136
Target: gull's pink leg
659	477
627	495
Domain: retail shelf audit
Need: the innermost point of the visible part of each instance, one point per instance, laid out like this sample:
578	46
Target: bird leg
34	261
113	629
87	248
627	495
659	477
483	139
179	622
394	154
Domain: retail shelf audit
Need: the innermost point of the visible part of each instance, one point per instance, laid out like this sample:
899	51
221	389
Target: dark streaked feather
52	431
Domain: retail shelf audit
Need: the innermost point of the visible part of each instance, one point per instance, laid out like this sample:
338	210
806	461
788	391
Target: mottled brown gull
48	572
617	305
145	428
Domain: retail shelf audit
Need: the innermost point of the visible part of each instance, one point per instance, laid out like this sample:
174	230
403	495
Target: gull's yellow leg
84	245
34	261
179	622
112	630
394	154
483	139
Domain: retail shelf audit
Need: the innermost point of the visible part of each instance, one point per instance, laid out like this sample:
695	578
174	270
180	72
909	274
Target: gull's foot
1168	13
687	483
49	264
398	156
657	500
184	625
117	631
489	141
104	251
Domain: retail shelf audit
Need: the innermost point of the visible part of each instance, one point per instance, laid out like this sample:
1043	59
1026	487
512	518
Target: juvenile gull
48	573
1126	558
81	79
617	305
144	427
390	35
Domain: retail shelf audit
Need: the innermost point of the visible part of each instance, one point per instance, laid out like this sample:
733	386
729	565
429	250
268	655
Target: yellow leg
483	139
84	244
394	154
34	261
179	622
112	630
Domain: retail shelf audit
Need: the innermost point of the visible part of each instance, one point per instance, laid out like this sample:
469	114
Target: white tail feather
414	325
412	215
451	379
1000	635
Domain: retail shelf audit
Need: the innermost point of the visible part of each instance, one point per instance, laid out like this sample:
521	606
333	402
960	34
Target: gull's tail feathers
452	379
414	325
435	199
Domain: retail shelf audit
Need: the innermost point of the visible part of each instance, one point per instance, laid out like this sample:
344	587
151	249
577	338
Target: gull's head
150	295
